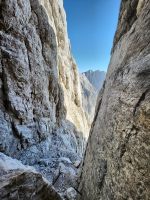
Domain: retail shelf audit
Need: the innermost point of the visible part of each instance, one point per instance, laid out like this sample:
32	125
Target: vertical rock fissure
142	98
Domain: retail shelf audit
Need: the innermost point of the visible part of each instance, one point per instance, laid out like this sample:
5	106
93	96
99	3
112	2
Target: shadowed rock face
116	163
42	122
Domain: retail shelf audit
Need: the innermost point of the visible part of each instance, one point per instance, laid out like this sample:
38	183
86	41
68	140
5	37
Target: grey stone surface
39	83
71	194
116	164
22	182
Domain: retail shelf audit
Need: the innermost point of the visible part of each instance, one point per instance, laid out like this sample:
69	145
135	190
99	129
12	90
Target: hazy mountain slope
89	97
91	83
96	78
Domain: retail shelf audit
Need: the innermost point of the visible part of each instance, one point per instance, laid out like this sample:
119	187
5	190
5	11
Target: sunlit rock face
68	72
116	163
42	122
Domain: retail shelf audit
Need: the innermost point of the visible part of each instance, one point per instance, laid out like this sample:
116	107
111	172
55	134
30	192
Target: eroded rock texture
68	73
42	122
116	164
22	182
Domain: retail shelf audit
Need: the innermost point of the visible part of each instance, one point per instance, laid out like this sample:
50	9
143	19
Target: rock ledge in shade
18	181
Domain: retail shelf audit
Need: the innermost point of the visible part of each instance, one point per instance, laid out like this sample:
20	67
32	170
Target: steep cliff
68	72
42	122
116	163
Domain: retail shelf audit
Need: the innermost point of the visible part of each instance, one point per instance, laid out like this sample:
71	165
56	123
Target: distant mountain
96	78
91	83
89	97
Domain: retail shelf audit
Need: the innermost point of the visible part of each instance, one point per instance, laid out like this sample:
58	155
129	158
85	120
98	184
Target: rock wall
116	164
68	72
42	122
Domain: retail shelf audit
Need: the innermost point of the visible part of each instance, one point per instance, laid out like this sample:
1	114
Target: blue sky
91	28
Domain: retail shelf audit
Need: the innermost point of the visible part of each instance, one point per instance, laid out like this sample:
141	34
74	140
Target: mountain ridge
95	77
90	92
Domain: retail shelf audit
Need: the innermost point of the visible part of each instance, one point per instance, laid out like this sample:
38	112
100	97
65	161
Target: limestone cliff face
42	122
68	73
116	164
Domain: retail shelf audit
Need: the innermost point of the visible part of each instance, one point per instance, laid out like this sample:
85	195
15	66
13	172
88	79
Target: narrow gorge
55	144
